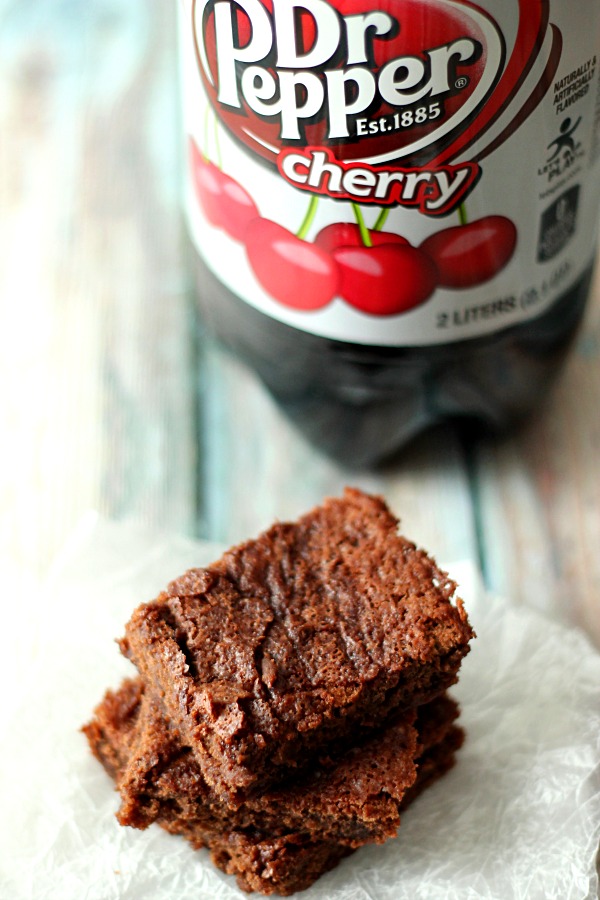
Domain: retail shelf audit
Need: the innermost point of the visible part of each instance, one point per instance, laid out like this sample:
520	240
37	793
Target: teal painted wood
95	337
540	495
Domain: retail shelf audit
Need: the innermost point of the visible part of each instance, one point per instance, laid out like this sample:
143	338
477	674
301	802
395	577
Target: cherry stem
308	218
217	142
204	149
462	214
381	219
217	146
364	231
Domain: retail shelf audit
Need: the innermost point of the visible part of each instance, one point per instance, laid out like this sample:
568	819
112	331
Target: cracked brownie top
298	639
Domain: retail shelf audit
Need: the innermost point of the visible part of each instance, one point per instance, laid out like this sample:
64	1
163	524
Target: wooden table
109	399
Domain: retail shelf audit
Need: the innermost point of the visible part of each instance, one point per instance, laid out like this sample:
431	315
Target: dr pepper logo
403	85
374	81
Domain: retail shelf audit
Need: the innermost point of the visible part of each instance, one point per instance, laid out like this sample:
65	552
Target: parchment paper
519	817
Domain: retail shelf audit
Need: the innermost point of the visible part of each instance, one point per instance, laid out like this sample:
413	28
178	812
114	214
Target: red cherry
226	204
347	234
468	255
237	207
207	184
292	271
385	280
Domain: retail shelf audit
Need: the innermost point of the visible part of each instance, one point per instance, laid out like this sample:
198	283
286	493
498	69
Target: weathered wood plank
540	495
95	338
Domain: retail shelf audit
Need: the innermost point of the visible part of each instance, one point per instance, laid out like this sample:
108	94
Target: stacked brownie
291	698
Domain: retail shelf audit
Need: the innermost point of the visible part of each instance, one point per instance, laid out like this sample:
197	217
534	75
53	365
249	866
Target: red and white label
397	173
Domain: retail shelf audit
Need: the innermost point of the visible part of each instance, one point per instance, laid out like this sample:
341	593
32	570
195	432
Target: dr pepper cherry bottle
393	203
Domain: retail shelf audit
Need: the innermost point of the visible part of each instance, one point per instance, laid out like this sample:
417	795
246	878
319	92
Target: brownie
292	862
295	641
352	799
290	847
280	866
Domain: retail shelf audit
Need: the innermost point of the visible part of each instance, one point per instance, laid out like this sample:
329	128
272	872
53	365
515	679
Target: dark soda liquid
361	404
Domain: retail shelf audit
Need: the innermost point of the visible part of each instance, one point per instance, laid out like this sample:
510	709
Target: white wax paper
519	816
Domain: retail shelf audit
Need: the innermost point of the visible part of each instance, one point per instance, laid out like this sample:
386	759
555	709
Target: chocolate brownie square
292	862
294	642
286	840
352	799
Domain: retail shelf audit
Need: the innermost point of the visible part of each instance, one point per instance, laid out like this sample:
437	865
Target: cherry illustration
348	234
294	272
207	184
226	203
470	254
237	207
385	280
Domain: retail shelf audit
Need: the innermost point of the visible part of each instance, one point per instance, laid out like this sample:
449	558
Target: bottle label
393	173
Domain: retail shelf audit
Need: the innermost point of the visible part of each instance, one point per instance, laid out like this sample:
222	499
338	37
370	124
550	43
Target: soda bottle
393	203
